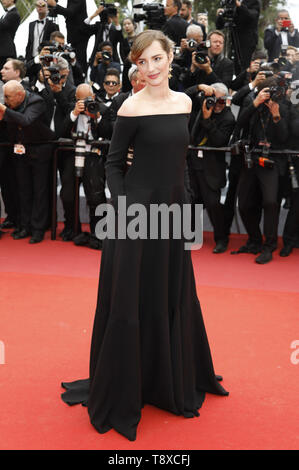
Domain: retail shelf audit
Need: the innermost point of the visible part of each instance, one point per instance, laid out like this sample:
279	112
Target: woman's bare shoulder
184	102
129	107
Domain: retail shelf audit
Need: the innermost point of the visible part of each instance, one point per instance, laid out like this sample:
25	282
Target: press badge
19	149
200	154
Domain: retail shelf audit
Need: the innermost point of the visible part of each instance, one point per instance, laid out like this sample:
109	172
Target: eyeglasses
108	82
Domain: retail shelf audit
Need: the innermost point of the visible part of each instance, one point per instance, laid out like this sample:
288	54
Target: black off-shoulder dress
149	343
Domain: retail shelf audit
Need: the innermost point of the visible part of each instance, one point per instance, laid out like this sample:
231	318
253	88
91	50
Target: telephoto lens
80	150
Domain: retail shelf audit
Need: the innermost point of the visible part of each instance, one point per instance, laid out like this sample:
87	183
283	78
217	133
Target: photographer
86	119
175	26
59	94
212	127
67	52
290	234
107	28
277	37
209	64
75	14
39	30
186	14
241	19
129	28
103	61
13	69
9	24
24	113
265	121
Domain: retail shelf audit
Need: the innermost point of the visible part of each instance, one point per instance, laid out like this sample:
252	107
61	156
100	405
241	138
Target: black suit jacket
273	42
101	129
218	130
49	28
175	28
115	37
75	13
27	125
62	103
8	27
222	71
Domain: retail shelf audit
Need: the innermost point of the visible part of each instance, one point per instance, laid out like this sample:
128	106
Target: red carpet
48	295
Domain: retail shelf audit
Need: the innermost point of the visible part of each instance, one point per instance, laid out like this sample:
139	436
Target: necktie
40	21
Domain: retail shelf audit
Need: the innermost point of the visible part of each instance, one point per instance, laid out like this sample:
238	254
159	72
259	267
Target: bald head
84	91
14	94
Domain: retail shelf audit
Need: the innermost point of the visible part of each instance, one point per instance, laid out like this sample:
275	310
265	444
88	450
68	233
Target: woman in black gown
149	344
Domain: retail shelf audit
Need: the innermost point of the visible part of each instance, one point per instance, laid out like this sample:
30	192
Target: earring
169	72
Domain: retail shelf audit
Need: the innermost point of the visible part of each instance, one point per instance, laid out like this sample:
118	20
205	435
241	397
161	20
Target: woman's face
128	26
153	64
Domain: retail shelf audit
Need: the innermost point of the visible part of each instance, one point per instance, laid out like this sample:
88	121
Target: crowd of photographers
243	126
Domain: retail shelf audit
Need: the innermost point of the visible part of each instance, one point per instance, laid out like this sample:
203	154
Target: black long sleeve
123	135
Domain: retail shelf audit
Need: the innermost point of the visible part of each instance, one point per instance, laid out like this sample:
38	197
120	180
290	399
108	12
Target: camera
192	44
110	9
153	16
201	53
91	105
209	100
54	74
285	25
106	55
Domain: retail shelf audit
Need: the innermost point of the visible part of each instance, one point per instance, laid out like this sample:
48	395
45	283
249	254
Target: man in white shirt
39	30
280	35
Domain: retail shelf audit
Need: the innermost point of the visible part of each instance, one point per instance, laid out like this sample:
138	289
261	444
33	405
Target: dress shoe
37	237
220	247
264	257
286	251
251	248
68	235
95	243
82	239
7	224
23	233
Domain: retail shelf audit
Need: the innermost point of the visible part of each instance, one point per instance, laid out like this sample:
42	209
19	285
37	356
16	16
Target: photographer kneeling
266	122
85	123
212	127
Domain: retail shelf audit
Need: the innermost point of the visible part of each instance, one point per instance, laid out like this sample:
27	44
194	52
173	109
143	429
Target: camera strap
264	123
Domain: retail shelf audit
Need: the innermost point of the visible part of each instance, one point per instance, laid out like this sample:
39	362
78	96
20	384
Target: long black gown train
149	344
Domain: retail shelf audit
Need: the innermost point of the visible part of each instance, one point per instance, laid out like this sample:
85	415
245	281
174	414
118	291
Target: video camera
229	7
154	16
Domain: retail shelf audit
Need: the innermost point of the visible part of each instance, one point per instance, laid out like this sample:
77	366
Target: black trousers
8	184
259	189
291	228
212	202
93	181
33	186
